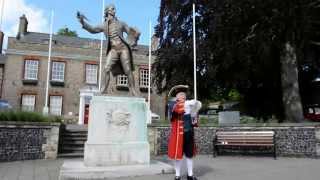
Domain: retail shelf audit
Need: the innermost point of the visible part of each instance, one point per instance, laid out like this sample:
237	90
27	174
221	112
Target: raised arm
88	27
91	29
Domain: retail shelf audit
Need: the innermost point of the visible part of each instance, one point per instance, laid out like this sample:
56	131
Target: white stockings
178	164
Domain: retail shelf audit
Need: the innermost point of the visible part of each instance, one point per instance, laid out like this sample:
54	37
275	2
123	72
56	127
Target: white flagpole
194	53
46	109
149	72
101	49
2	9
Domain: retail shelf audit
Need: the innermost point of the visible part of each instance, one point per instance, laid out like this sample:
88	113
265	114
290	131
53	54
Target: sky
136	13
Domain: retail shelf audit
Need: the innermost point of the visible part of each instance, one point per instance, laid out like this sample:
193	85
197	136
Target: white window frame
55	105
144	77
58	73
28	102
122	80
31	69
91	73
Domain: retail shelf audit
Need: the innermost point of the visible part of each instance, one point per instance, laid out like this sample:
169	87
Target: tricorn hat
176	89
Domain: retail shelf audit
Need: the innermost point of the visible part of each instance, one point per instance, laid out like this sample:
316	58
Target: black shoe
177	178
191	178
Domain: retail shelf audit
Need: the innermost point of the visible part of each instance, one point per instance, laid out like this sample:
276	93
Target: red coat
175	144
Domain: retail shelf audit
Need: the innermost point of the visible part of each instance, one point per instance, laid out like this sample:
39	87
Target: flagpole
2	9
149	68
101	49
194	53
45	108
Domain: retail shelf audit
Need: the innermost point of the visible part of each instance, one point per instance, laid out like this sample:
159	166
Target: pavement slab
205	168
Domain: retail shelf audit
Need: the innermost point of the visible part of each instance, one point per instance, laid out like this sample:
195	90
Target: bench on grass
248	139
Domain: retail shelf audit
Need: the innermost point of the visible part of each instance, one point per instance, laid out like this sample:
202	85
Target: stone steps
73	148
74	136
72	140
76	127
70	155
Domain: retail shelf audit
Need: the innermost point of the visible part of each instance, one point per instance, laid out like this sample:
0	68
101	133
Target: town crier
184	117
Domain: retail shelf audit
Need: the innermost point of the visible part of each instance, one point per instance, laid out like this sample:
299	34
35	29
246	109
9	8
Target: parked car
155	117
4	105
215	107
312	112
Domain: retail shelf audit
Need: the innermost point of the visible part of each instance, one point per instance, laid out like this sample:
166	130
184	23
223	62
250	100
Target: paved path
206	168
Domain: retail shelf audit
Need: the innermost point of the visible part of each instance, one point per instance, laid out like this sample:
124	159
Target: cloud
13	9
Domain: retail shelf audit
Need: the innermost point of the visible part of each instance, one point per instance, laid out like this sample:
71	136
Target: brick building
74	74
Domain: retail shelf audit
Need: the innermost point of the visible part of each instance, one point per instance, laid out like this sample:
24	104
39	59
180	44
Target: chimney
1	41
23	26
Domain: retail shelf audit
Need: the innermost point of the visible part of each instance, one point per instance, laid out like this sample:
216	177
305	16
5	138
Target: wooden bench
246	139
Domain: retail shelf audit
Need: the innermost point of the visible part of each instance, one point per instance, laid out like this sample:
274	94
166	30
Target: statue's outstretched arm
91	29
88	27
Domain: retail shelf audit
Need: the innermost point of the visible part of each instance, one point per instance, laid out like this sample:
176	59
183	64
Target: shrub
27	117
205	120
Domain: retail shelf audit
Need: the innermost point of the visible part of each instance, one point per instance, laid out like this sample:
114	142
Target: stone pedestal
110	154
76	170
117	142
117	132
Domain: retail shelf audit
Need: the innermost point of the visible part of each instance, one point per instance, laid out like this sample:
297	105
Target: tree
66	32
254	46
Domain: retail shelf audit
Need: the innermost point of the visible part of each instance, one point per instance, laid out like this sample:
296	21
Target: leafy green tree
67	32
253	46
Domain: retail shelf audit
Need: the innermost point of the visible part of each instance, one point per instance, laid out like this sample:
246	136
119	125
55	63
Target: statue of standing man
119	52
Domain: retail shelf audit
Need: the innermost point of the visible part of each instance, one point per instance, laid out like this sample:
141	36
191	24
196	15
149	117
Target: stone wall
298	140
317	134
24	141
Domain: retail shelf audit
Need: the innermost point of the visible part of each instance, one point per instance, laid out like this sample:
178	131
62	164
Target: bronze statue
119	49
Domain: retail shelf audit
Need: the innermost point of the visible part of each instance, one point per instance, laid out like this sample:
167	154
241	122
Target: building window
92	73
28	102
55	105
58	71
122	80
31	69
144	78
